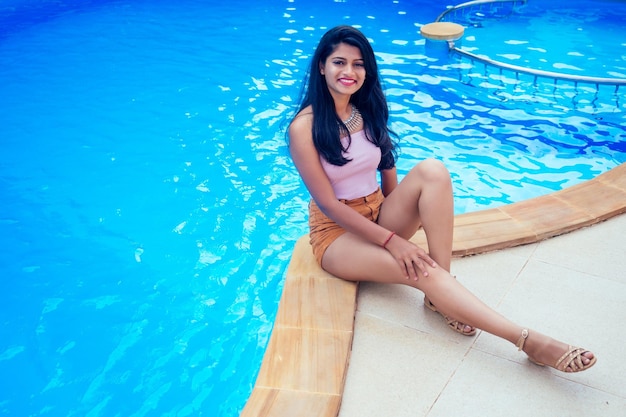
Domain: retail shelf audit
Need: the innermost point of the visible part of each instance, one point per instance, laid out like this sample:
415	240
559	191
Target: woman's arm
389	180
307	161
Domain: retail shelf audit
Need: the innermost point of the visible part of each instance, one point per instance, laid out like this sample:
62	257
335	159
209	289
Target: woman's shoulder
302	123
304	119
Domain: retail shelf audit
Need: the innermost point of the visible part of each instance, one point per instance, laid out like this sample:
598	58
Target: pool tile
483	231
317	302
266	402
391	358
572	306
599	200
615	177
302	259
490	275
548	216
602	259
478	388
313	298
306	360
488	230
404	306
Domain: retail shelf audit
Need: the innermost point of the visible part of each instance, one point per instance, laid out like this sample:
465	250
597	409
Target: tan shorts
323	231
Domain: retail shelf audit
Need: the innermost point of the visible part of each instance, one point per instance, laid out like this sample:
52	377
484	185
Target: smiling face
344	70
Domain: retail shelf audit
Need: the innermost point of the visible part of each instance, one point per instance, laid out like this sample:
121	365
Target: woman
359	230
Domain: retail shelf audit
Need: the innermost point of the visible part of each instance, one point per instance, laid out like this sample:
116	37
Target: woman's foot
543	350
457	326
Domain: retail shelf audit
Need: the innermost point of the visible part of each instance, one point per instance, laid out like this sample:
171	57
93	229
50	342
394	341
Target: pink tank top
358	177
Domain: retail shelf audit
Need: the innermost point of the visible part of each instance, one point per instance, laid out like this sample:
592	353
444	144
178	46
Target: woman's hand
412	259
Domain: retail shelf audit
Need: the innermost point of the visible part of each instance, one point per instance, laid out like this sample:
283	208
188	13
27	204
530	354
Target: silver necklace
354	121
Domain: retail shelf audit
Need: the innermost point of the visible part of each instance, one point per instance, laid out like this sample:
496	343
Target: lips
347	82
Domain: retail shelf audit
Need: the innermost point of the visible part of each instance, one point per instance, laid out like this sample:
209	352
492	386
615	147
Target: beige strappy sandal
453	324
572	359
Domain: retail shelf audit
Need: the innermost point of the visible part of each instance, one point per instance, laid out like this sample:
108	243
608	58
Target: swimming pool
149	205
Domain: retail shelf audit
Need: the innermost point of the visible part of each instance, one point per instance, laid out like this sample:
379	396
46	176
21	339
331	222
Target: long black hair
369	99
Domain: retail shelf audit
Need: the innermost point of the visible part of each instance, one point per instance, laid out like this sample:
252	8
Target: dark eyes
357	64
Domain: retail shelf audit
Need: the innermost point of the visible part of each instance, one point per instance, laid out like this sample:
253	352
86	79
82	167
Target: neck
343	109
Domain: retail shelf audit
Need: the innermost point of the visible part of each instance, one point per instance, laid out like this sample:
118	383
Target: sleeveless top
358	177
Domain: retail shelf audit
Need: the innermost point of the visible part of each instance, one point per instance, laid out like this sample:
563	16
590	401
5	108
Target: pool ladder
473	11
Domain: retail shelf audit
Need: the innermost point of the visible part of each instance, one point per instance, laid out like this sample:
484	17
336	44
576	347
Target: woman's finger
418	268
403	268
410	267
430	261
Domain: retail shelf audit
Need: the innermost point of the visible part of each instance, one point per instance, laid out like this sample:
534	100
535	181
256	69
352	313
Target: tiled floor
403	361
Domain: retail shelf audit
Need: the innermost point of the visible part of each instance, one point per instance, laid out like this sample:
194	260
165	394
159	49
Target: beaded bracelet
388	239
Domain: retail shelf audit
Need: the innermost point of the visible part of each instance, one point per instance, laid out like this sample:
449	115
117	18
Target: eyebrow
340	57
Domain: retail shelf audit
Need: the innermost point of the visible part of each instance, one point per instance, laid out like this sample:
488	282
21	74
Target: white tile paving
405	362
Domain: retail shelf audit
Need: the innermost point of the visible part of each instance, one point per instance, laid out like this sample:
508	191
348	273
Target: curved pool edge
305	364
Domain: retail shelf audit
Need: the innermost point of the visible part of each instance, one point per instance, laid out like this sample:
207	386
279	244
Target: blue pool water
149	207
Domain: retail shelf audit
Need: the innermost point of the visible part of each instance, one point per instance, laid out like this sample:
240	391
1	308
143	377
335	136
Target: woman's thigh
399	212
427	183
355	259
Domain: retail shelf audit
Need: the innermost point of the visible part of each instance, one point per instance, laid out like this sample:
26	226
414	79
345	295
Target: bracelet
388	239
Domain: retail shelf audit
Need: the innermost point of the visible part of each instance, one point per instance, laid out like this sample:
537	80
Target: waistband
367	199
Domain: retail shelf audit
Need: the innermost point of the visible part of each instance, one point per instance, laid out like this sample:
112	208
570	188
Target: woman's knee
432	170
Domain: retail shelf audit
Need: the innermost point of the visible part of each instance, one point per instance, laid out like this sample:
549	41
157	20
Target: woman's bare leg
424	197
354	259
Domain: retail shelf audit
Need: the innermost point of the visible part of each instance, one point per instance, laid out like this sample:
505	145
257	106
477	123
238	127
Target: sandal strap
452	323
522	339
572	358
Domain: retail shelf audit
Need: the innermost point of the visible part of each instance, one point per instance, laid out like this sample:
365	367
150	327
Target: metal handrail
474	3
523	70
540	73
